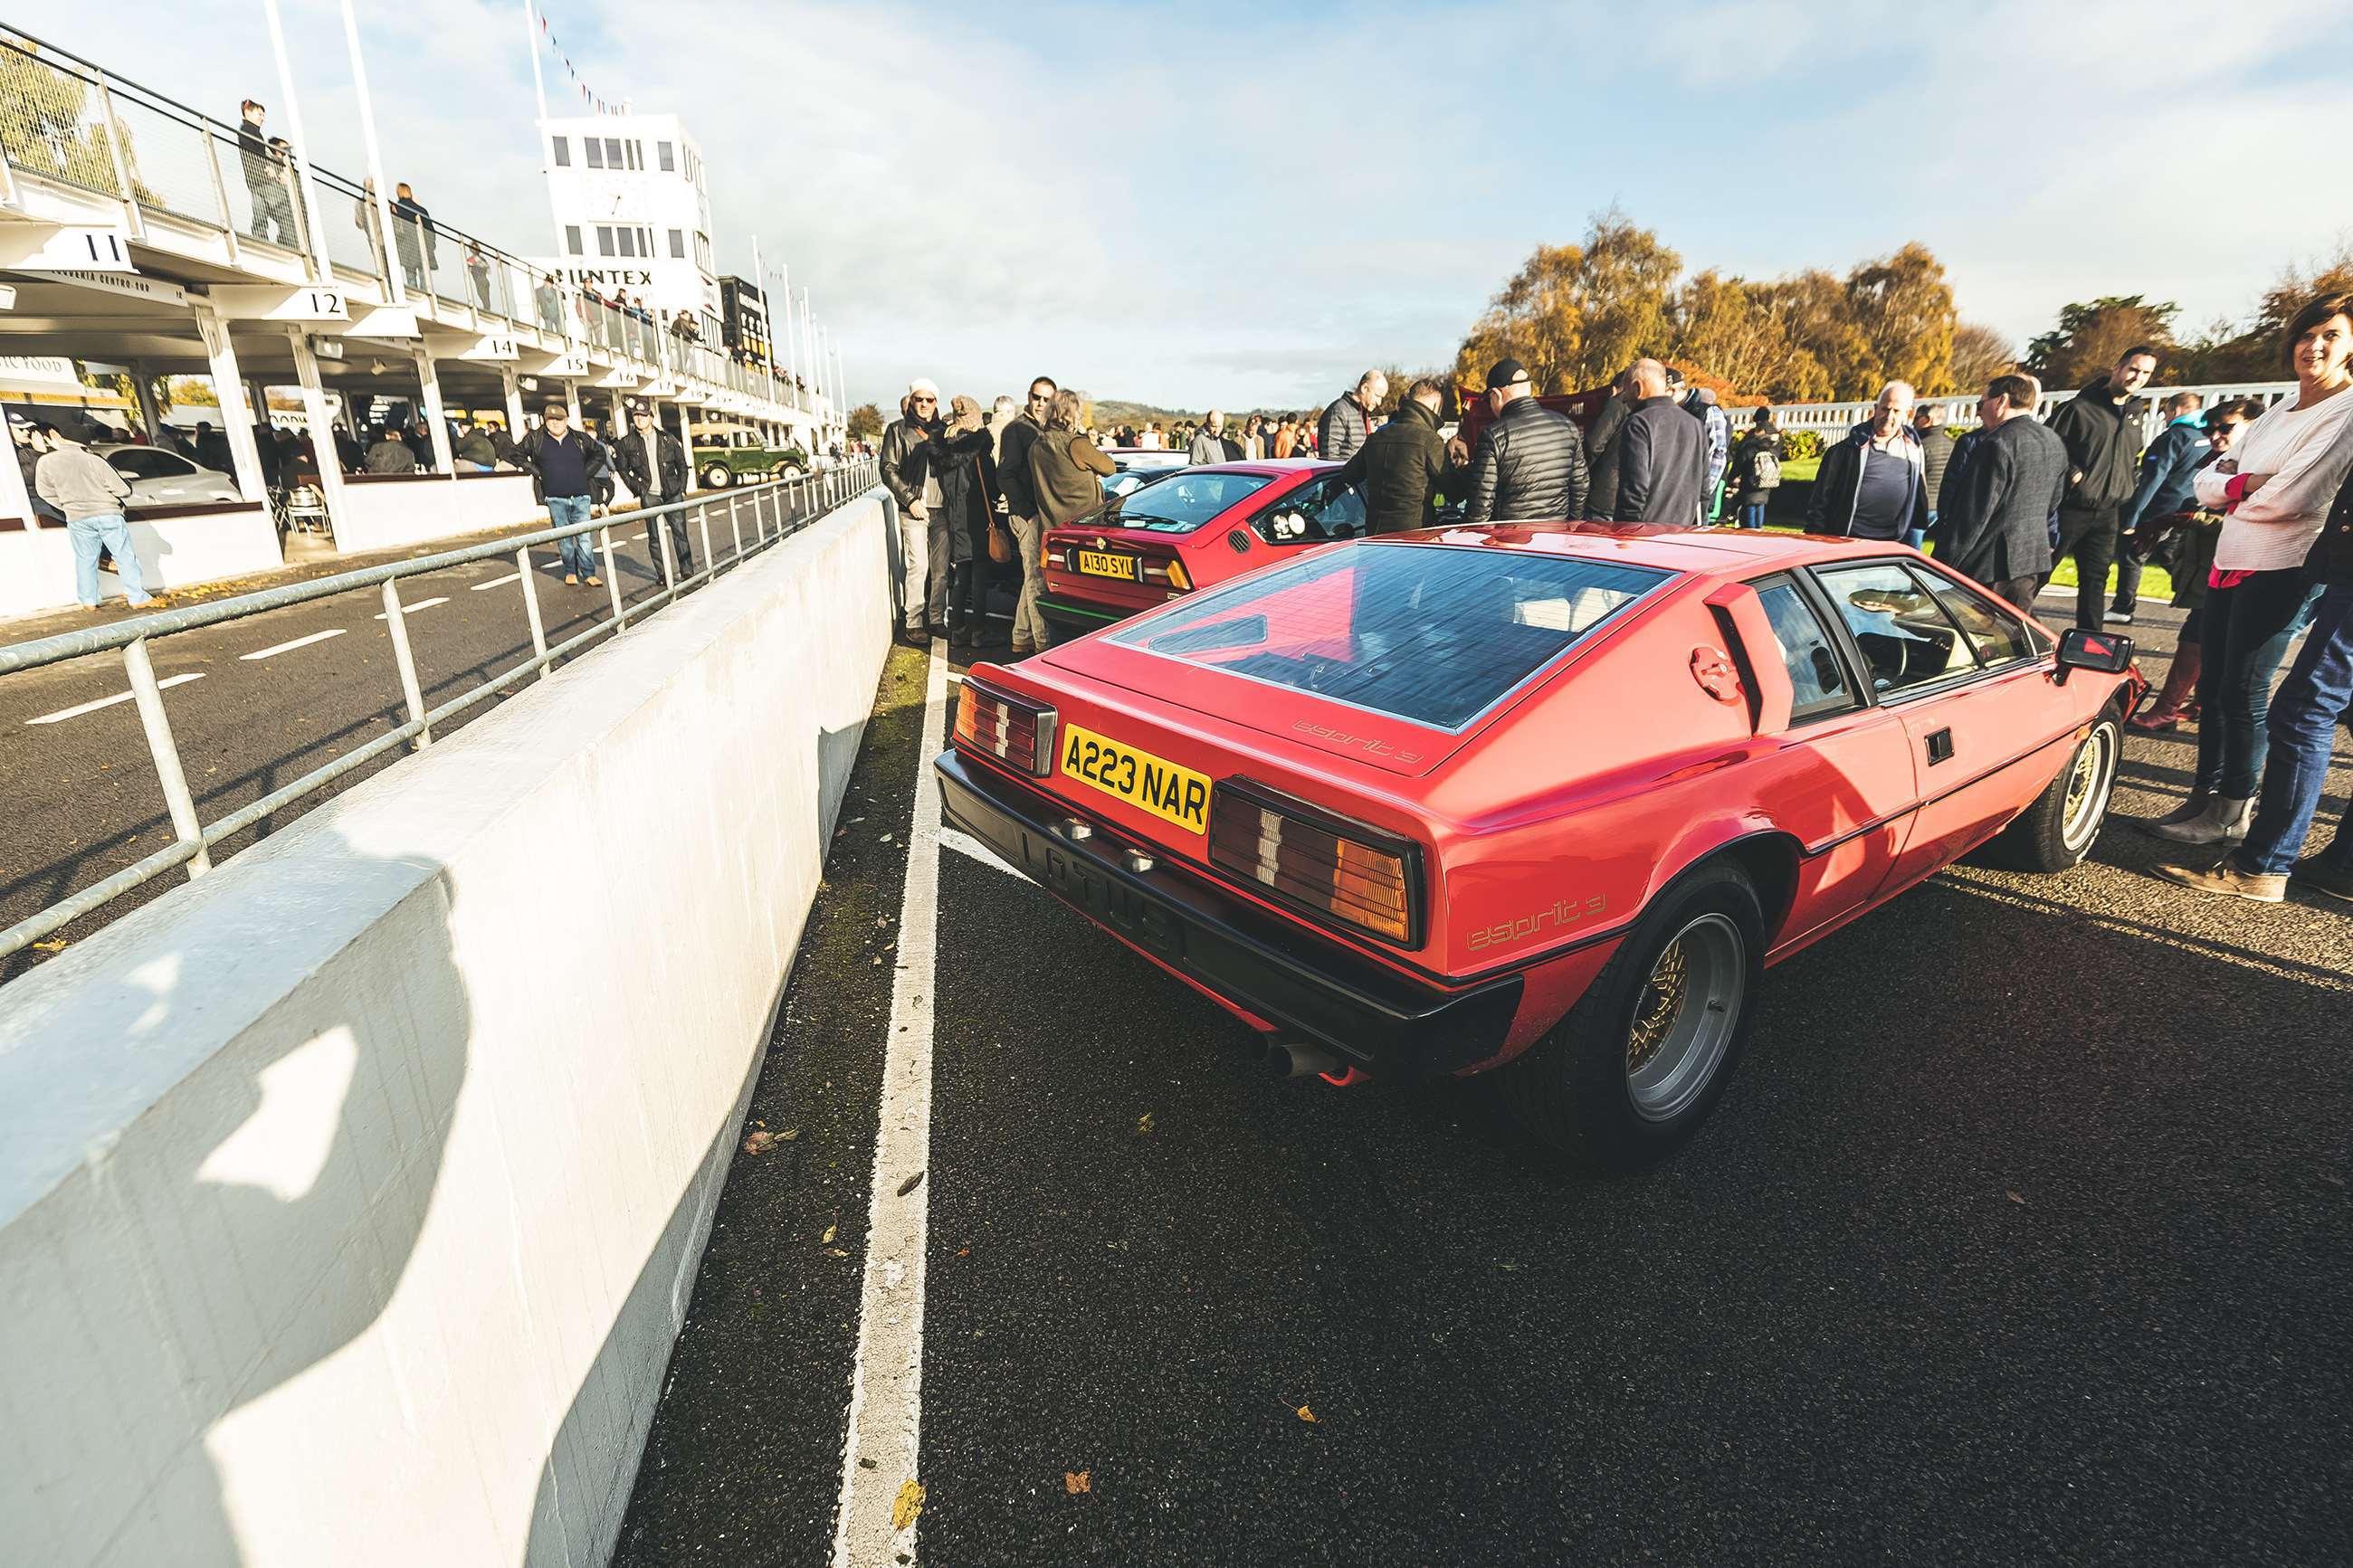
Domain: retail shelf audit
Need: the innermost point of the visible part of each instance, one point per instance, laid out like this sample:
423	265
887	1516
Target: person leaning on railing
2276	490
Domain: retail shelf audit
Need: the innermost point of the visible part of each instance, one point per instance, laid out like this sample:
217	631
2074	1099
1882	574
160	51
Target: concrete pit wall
351	1198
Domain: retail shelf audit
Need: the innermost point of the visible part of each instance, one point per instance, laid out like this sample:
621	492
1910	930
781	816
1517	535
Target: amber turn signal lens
1013	729
1311	865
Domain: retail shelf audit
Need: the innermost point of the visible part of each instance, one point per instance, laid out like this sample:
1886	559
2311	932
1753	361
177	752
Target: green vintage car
729	454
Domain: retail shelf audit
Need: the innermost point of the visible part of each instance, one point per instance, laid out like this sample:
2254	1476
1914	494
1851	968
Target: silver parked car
159	478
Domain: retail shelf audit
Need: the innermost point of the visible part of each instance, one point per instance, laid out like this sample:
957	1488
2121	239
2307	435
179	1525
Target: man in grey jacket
1662	455
84	487
1210	443
1348	421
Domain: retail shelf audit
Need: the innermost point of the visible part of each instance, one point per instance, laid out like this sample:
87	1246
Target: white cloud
1249	204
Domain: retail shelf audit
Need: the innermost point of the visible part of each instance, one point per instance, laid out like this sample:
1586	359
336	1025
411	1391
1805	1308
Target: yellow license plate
1100	564
1145	782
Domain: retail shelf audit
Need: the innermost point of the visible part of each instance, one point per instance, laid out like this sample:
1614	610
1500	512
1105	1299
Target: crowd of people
2249	509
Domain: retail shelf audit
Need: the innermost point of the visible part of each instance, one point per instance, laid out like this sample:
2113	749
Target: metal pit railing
753	517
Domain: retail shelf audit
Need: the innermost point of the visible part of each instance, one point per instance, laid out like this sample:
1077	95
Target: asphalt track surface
2022	1234
80	793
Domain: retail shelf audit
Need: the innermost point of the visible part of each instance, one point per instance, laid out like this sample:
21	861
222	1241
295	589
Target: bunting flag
555	47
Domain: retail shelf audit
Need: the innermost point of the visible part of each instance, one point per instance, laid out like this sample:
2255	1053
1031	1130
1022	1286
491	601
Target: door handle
1940	746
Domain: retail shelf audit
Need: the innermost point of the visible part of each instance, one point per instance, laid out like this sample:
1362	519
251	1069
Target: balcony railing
64	118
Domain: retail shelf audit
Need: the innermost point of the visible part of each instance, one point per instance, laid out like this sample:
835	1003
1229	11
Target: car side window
1906	637
1818	682
2000	637
1314	513
140	464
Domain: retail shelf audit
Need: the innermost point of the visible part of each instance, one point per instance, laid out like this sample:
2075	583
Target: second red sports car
1187	529
1543	797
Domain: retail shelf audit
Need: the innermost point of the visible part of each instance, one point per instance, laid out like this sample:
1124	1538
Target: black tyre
718	477
2059	829
1636	1066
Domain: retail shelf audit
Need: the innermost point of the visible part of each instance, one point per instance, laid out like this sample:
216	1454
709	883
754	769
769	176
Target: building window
595	151
613	153
630	242
564	152
678	245
669	160
603	240
636	155
571	237
646	243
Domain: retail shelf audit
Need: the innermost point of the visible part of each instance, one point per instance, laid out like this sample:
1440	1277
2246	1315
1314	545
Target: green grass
1801	468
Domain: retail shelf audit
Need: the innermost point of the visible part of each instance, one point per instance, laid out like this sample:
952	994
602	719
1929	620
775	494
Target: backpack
1765	469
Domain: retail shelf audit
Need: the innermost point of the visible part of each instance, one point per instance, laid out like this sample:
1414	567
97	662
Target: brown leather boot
2181	685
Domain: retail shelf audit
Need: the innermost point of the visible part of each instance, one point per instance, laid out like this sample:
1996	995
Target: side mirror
2105	652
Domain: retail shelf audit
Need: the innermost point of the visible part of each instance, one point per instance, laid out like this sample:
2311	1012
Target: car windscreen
1430	633
1182	501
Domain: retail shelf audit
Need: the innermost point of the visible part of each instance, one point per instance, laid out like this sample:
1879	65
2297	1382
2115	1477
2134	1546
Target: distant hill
1118	411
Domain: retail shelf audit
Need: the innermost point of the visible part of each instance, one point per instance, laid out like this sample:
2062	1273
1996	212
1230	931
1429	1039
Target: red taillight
1343	870
1015	730
1169	574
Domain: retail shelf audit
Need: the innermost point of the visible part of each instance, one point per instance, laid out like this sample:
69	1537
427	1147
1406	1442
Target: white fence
1835	419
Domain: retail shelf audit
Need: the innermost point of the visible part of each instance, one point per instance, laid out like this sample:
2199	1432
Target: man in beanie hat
922	544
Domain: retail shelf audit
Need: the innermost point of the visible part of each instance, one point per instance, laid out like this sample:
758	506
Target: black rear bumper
1309	987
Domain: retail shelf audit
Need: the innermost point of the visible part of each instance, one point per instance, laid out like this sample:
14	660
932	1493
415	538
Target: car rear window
1183	502
1433	634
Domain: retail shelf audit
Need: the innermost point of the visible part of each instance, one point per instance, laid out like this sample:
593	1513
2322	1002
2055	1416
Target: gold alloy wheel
2089	780
1684	1023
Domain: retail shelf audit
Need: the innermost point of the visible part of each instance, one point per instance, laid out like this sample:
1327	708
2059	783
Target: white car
159	478
1132	465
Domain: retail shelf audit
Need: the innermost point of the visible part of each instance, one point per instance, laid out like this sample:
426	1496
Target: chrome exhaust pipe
1289	1058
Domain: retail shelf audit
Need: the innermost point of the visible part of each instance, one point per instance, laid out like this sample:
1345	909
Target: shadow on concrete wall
320	1266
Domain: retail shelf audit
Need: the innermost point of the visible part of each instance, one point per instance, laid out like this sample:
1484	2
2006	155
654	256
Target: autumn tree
2092	335
2258	353
1979	354
1813	309
865	423
1575	315
1723	324
1903	308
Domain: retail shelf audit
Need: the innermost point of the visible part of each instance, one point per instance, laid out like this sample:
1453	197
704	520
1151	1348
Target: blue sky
1247	203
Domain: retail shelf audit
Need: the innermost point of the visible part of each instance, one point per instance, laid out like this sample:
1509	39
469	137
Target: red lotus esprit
1549	795
1184	530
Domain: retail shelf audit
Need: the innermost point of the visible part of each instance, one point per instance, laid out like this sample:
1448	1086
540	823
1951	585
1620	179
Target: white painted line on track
290	647
886	1386
965	843
420	605
509	577
76	713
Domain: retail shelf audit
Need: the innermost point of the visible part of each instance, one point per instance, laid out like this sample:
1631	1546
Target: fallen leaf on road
835	1252
48	947
1143	1125
1307	1415
963	1252
760	1142
1077	1481
826	1239
911	1184
2013	1197
906	1505
868	1465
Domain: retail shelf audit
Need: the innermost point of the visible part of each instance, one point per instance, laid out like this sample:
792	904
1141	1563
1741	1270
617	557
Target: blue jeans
86	535
1753	516
2245	632
579	555
1917	538
2316	697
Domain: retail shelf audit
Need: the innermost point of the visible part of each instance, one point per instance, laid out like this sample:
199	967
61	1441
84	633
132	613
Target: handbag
1000	545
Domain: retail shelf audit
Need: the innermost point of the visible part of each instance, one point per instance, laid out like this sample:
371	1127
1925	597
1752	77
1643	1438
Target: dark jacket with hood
1530	464
1662	465
1401	471
1994	522
968	475
1754	445
1601	454
2102	442
1839	484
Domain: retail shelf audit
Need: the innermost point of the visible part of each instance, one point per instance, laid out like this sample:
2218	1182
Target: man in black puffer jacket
1531	461
1401	470
2100	426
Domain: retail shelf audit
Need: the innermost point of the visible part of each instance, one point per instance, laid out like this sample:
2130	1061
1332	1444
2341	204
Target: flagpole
792	358
393	271
539	91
